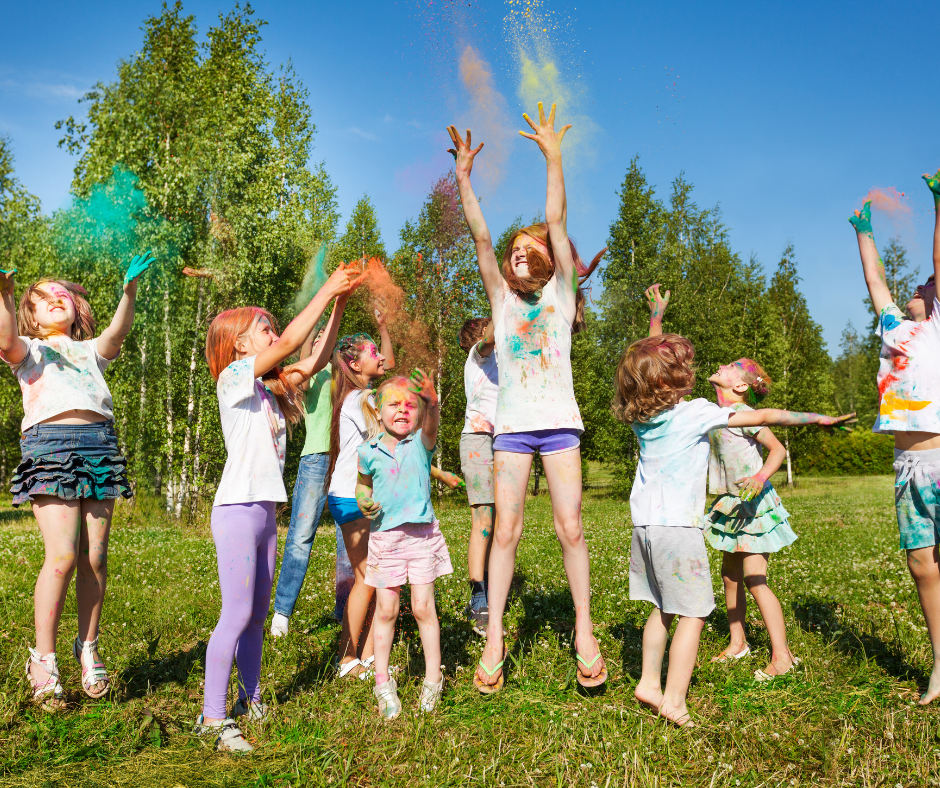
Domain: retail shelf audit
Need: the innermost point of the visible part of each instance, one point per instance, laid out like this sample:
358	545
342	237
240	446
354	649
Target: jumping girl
257	399
909	386
406	544
72	470
534	303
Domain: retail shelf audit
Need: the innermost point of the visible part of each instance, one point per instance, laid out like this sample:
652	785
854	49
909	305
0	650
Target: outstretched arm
452	480
753	485
872	266
12	348
315	355
657	304
111	339
787	418
385	341
423	386
486	258
933	181
556	206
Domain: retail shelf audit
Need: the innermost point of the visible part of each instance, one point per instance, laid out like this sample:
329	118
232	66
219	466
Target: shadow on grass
317	670
141	677
822	617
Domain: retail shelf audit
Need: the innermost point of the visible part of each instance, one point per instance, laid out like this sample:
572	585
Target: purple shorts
541	441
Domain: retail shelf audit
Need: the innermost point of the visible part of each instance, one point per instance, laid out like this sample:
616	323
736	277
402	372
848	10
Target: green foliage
855	453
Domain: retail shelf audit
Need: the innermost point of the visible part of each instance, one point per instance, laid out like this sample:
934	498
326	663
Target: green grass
848	717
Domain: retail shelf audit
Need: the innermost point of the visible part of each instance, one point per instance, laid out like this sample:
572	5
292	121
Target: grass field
847	717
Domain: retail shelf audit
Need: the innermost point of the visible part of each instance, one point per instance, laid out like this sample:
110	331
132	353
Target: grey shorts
476	462
669	567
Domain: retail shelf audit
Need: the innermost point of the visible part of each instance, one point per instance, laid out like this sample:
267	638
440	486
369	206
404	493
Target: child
535	305
312	476
668	562
481	385
406	544
909	386
256	401
72	470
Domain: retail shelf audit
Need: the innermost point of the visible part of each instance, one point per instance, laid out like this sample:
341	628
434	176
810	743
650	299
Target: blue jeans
306	508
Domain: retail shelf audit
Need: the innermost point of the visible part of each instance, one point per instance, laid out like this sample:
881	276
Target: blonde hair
653	375
758	381
83	327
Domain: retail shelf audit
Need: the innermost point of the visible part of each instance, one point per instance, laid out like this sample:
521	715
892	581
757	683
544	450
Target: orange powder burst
889	200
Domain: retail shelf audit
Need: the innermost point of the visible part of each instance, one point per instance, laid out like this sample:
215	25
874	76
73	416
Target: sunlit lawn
847	717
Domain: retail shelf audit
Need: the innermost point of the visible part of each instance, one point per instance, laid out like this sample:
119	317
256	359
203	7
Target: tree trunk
172	482
185	491
786	445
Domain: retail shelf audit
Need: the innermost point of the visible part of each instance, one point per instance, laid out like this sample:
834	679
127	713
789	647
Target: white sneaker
229	737
387	696
256	711
431	694
279	625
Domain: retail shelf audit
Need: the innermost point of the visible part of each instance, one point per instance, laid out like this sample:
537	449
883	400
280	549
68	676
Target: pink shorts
415	553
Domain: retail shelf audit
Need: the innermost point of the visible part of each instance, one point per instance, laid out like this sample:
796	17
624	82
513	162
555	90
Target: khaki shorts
476	462
669	567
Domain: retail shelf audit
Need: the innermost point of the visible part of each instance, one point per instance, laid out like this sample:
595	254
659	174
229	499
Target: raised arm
933	181
385	340
872	266
339	283
314	356
787	418
488	340
486	258
12	348
753	485
556	207
111	339
423	386
657	304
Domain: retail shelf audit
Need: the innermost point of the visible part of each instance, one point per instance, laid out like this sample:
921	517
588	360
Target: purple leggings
245	537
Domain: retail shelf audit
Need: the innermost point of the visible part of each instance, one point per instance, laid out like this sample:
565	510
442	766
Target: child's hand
6	281
343	281
837	422
861	220
657	302
452	480
423	386
462	152
750	486
370	508
548	140
933	181
138	265
379	318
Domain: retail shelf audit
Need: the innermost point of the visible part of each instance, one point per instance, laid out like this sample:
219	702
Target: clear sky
784	114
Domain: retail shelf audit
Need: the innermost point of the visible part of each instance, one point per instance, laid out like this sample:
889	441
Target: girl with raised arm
534	304
909	386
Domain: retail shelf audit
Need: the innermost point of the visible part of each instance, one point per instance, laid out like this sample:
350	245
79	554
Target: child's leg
563	474
925	570
92	565
732	574
755	578
356	639
425	613
481	537
383	627
655	637
234	530
511	471
248	648
682	654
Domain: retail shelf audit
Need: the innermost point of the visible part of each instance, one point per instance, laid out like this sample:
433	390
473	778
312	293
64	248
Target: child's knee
755	582
423	608
61	562
570	532
922	563
507	533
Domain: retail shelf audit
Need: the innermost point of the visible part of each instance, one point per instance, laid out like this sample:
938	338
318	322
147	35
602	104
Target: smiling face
921	304
54	308
519	256
370	364
259	336
398	411
729	382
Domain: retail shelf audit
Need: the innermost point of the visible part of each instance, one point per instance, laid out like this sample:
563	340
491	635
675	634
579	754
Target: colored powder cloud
490	115
889	200
315	277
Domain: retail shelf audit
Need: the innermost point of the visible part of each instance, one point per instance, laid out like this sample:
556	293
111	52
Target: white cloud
366	135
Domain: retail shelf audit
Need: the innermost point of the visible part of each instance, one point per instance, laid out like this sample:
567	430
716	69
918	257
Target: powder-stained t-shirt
481	385
58	374
318	410
669	486
401	481
255	437
735	454
353	430
533	343
909	372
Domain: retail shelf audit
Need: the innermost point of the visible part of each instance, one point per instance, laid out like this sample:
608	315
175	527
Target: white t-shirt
481	385
59	374
735	454
669	487
533	342
353	431
255	437
909	372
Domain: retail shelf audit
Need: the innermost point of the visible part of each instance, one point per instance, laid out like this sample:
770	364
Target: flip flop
724	656
588	681
490	689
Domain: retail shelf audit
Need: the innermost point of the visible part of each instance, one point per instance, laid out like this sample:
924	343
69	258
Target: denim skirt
70	461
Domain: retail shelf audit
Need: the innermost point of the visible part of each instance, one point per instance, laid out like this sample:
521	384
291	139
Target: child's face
370	363
520	247
921	304
259	336
730	377
55	310
399	411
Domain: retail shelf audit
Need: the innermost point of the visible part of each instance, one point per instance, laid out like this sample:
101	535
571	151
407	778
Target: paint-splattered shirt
669	486
401	482
353	430
59	374
533	343
255	436
909	372
318	410
735	454
481	385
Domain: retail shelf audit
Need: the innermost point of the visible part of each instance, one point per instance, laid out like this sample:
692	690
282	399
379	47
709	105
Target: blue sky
785	115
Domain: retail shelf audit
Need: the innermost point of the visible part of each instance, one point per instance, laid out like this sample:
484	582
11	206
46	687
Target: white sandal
48	693
95	674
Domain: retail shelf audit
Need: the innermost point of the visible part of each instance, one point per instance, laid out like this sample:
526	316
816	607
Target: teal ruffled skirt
760	525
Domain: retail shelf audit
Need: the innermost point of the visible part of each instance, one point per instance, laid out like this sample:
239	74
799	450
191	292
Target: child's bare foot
733	651
649	695
933	688
678	715
778	666
493	657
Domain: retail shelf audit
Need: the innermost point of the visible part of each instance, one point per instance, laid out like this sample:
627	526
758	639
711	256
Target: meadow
848	716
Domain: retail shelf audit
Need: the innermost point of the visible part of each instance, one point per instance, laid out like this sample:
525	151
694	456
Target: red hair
653	375
224	331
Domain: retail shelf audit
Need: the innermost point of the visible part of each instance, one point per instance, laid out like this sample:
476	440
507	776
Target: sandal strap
492	672
50	685
584	662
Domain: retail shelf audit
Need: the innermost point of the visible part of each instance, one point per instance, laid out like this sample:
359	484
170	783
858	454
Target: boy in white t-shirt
481	386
